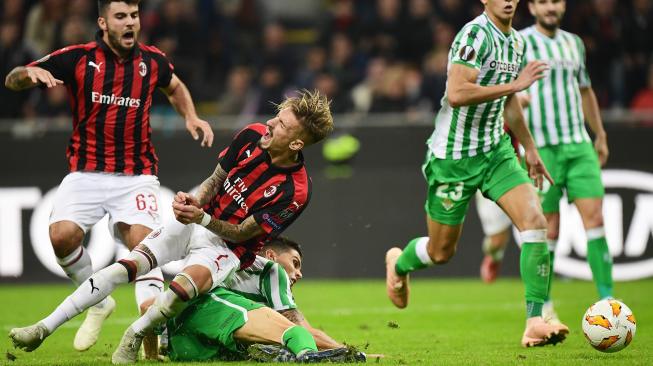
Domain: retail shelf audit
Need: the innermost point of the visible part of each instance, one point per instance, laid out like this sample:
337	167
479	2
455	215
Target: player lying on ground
255	306
559	105
111	156
257	190
469	151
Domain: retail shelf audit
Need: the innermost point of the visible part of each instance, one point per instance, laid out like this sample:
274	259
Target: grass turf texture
448	322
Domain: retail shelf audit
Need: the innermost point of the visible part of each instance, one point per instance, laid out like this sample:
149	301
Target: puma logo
248	153
155	286
96	66
93	286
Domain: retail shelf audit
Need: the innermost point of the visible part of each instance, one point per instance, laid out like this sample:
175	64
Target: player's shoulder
151	50
571	36
525	32
257	127
76	48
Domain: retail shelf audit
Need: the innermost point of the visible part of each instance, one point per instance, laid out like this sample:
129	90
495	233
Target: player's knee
184	287
534	221
442	255
64	240
594	219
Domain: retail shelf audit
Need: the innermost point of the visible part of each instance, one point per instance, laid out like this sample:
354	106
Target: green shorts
453	183
575	168
204	330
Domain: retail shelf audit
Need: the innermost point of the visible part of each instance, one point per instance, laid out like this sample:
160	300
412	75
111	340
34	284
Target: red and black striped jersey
110	101
275	196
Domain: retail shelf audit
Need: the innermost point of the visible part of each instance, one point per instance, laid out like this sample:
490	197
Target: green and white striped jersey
265	282
555	115
471	130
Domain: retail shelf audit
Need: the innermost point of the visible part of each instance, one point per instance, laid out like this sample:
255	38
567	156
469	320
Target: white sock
148	286
166	305
90	292
78	267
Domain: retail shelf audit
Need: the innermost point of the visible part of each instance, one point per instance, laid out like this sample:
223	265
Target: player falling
469	150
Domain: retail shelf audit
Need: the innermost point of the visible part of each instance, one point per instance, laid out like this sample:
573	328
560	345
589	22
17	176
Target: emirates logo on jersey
270	191
236	189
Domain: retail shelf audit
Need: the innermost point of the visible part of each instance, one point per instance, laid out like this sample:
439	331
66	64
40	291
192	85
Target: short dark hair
102	5
281	244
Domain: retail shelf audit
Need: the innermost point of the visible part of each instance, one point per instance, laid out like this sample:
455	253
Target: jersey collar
544	36
136	51
290	169
497	30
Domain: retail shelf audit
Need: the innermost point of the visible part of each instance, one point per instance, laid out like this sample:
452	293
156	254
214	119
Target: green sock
413	257
551	245
298	339
534	269
600	262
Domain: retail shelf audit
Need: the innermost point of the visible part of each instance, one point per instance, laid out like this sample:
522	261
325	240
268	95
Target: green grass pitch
448	322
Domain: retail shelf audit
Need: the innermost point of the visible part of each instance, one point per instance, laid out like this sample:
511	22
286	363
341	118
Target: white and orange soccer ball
609	325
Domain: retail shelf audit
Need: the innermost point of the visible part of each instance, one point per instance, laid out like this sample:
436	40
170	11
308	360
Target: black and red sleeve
61	63
166	68
248	135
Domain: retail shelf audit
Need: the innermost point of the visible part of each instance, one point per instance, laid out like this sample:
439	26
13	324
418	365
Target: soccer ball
609	325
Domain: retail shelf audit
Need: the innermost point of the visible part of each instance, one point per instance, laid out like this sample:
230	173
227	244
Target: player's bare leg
89	332
522	205
193	281
494	247
438	248
66	237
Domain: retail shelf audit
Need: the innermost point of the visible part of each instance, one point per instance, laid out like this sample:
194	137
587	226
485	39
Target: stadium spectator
638	44
43	24
12	53
643	101
206	38
416	34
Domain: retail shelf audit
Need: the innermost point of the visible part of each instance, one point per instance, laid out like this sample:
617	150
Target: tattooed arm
211	185
23	77
322	340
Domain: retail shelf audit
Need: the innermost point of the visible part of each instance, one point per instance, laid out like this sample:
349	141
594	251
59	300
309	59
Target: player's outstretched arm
322	340
593	116
181	100
25	77
514	117
462	89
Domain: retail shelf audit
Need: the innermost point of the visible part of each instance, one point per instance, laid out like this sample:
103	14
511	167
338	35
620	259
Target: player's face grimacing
122	25
547	13
504	10
291	261
284	132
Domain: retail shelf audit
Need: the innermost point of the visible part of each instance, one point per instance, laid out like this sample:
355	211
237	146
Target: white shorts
85	197
493	219
197	245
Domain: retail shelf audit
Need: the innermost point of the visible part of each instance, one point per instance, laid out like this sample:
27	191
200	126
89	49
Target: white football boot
29	338
88	333
127	351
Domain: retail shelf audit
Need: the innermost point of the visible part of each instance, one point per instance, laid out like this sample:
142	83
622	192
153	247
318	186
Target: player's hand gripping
39	75
534	71
195	124
601	147
187	208
536	169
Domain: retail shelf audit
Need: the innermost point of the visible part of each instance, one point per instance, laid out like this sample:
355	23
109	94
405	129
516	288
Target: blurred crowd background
369	56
